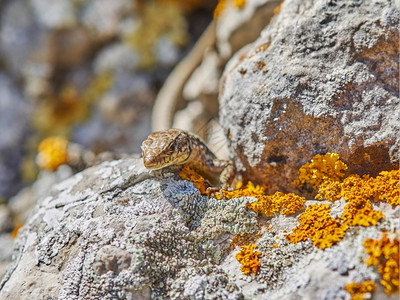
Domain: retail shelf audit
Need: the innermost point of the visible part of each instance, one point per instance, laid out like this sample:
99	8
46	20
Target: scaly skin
179	147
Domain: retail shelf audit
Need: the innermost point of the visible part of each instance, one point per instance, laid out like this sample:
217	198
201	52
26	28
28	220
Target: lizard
180	147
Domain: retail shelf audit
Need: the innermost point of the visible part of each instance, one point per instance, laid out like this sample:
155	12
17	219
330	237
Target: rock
15	110
6	251
235	28
6	224
121	118
20	34
119	231
322	77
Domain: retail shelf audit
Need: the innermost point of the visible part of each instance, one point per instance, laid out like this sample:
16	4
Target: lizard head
165	148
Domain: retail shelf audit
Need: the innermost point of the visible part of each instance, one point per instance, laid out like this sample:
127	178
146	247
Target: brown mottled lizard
180	147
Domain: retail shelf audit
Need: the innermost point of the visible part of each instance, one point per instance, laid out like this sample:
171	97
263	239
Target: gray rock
6	224
14	127
118	231
322	77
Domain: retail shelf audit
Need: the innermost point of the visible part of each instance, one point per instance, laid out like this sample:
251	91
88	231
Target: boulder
322	77
119	231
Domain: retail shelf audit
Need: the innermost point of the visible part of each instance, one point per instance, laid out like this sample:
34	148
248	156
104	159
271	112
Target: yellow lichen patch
360	212
249	259
384	187
17	227
358	291
321	167
52	153
198	181
248	190
384	253
285	203
278	8
222	5
387	187
317	225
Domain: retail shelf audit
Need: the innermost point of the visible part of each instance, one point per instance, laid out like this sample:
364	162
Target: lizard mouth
155	164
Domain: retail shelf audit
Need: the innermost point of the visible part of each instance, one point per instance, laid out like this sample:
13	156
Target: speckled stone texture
322	77
118	231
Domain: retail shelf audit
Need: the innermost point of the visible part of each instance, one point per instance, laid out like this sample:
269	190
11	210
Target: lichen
384	254
190	204
384	187
321	167
52	152
359	291
317	225
360	212
187	173
223	4
249	259
287	204
227	216
324	172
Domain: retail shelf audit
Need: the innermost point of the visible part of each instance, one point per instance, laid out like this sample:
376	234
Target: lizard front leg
226	171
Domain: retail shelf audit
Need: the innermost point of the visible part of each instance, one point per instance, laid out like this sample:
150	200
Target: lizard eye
171	148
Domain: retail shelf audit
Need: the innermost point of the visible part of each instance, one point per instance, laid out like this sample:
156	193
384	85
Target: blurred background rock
87	71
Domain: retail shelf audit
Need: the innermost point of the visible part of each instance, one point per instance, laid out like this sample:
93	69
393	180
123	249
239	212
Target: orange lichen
247	190
321	167
387	187
17	227
52	153
249	259
384	187
198	181
324	172
285	203
317	225
278	8
360	212
358	291
358	191
384	253
222	5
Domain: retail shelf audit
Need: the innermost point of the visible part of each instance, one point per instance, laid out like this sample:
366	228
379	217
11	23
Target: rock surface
117	231
322	77
14	115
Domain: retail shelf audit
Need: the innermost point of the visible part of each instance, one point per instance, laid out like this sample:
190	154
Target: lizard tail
171	92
